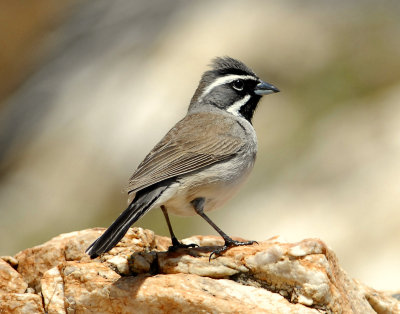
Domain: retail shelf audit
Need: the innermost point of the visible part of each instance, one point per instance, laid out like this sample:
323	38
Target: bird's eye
238	85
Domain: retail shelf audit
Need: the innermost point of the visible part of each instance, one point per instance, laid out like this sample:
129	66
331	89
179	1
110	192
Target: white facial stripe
224	80
235	107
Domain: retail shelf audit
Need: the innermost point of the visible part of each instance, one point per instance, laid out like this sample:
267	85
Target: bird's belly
217	184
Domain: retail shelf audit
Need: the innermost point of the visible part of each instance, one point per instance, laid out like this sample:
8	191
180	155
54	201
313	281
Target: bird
202	161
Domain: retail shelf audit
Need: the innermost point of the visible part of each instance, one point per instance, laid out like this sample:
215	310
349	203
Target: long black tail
142	203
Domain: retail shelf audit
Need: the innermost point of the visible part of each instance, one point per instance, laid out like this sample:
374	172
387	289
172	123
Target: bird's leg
198	205
175	243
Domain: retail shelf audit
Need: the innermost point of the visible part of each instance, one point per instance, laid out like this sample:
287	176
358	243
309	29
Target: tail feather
142	203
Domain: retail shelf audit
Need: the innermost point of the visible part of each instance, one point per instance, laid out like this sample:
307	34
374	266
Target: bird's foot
228	244
176	245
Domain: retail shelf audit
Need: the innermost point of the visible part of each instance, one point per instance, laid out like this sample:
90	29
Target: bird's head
231	86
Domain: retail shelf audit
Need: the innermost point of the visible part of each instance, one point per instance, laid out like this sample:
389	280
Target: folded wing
182	151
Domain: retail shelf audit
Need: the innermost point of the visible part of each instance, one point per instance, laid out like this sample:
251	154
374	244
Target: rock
139	275
306	272
52	286
10	260
98	288
87	286
34	262
10	280
182	293
381	302
21	303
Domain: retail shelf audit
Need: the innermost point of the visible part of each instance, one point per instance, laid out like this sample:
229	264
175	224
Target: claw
228	244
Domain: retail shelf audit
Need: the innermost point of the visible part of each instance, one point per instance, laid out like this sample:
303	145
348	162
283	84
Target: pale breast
217	183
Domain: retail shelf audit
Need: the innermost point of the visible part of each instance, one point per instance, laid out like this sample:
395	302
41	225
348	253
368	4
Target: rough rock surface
10	280
139	275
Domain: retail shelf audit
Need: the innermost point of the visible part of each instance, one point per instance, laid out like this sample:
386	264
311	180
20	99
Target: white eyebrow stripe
235	107
225	79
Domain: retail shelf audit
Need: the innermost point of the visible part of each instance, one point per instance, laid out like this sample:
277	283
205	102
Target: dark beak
264	88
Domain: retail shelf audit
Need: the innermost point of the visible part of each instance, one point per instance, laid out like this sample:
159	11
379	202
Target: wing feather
182	151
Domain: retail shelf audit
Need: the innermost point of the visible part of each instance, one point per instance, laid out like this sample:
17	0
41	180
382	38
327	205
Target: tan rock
138	275
180	293
10	260
94	287
10	280
306	272
52	287
381	302
87	287
34	262
21	303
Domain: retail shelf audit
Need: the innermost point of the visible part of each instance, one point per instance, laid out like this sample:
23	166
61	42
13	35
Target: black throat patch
248	109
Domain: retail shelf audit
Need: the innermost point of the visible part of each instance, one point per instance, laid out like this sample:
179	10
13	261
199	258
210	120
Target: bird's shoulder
205	128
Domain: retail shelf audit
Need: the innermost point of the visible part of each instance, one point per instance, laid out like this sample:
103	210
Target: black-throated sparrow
202	161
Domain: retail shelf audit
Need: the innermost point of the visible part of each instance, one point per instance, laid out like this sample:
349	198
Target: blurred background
87	88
